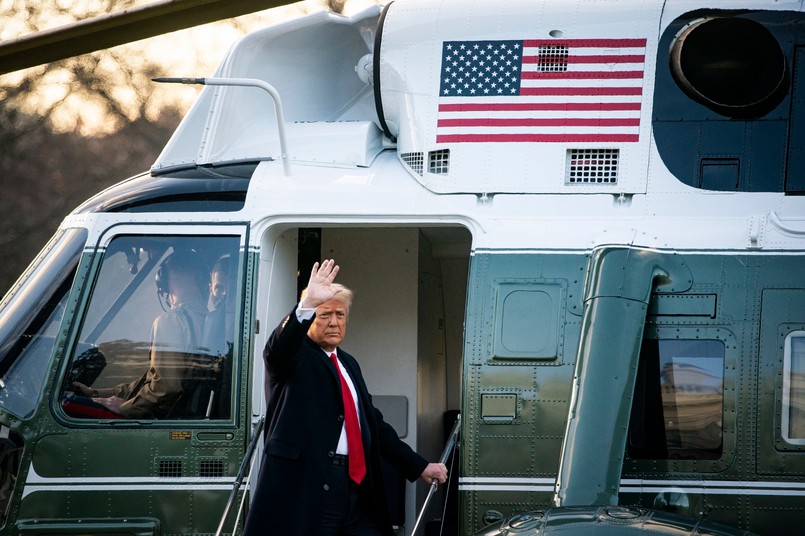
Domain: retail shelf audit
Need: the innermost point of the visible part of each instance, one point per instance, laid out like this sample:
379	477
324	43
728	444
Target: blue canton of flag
481	68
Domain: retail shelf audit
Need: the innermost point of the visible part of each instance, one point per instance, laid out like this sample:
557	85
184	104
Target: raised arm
280	351
319	287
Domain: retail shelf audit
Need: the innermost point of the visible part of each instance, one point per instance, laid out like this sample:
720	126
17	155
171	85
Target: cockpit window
30	319
157	338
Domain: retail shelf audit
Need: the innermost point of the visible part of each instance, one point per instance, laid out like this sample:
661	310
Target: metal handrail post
257	434
448	448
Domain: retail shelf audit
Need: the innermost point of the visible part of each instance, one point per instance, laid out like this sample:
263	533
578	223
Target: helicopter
592	214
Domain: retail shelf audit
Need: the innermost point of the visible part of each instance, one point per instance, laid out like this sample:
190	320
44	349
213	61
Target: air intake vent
439	161
416	161
592	166
170	468
211	468
552	59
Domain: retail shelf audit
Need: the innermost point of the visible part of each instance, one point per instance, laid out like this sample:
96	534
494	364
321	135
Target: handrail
448	448
256	435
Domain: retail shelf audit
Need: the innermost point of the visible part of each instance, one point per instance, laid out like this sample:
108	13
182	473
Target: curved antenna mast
246	82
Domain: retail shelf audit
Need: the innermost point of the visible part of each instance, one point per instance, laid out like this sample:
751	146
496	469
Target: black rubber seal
381	117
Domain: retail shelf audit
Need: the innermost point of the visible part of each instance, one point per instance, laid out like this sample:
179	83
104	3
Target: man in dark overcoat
320	475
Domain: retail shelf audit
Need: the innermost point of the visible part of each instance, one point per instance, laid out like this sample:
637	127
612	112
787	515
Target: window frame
650	450
729	409
785	418
240	230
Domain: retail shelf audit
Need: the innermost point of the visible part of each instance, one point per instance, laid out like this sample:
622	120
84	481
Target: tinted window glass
29	323
679	400
157	338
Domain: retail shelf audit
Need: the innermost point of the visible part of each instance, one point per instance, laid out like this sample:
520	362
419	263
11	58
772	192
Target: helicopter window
679	400
30	320
793	414
158	336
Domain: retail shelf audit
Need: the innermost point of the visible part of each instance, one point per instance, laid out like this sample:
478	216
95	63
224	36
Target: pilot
175	339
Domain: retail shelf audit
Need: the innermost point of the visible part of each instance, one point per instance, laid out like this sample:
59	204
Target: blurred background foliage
71	128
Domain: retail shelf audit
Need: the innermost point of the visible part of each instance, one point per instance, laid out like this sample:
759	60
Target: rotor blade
121	27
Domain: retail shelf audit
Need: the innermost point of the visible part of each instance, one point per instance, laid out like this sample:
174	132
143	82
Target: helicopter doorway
406	323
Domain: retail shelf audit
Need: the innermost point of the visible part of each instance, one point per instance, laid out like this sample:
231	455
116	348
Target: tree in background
47	170
71	128
51	159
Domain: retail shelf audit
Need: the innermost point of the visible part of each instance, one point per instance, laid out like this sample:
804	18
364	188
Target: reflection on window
29	324
679	400
793	418
157	339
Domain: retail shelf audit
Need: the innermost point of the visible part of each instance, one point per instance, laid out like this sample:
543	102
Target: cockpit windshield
30	319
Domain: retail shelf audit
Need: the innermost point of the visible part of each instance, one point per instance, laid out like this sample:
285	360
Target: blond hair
342	294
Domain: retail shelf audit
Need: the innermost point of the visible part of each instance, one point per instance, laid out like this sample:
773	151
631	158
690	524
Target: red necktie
357	465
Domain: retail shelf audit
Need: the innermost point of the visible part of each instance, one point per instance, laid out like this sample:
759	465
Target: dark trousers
343	511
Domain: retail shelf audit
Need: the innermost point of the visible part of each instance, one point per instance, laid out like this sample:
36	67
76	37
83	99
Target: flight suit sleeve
166	371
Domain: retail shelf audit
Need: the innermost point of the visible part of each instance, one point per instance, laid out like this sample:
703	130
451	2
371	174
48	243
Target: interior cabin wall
454	268
431	365
442	297
380	265
407	322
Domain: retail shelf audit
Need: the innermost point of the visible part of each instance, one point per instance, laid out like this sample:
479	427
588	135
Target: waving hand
319	288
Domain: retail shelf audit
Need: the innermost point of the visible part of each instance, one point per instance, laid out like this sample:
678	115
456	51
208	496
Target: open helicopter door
405	327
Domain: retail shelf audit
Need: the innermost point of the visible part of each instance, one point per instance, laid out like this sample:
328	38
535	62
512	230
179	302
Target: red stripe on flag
581	75
588	43
536	138
529	122
586	91
623	58
539	106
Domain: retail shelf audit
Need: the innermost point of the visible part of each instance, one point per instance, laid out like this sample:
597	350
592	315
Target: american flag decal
557	90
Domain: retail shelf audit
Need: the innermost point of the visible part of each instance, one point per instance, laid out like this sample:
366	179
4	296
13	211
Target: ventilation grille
439	161
552	59
592	166
170	468
211	468
416	161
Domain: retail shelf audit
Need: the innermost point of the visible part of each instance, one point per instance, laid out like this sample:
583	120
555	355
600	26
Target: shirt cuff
305	313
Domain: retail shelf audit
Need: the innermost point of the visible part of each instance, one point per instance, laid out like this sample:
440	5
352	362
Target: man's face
181	286
218	284
330	325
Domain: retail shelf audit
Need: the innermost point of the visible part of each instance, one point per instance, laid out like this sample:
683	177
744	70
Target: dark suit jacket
303	424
